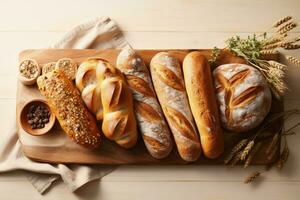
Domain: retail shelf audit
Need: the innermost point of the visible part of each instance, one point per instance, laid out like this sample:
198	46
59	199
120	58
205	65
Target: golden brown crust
119	122
146	111
169	77
200	90
65	102
140	85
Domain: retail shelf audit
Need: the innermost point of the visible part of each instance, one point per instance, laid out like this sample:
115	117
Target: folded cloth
100	33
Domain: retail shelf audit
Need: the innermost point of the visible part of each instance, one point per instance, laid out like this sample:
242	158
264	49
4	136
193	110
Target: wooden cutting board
56	147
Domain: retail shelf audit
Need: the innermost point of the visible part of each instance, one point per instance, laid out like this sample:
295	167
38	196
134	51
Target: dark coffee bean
42	125
30	121
33	126
45	120
35	120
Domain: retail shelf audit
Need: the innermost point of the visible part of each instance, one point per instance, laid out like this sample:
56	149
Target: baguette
169	86
151	122
200	90
65	102
119	122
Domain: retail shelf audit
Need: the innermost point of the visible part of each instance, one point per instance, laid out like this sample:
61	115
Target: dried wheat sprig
252	154
272	41
283	156
290	46
236	159
277	65
286	27
251	177
293	127
268	51
271	46
235	150
272	153
247	150
273	143
281	21
293	60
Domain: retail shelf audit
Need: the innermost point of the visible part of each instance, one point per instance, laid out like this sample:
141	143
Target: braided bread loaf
169	86
119	122
86	82
151	122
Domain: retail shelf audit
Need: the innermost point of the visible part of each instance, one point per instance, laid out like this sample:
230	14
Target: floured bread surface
151	122
169	86
243	95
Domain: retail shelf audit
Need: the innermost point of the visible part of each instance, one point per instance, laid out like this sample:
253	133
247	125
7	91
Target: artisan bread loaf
119	123
169	86
202	99
65	102
243	95
150	118
86	82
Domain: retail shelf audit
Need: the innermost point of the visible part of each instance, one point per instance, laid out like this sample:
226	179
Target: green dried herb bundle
254	47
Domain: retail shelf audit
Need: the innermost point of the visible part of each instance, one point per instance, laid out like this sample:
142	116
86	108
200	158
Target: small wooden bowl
26	126
29	81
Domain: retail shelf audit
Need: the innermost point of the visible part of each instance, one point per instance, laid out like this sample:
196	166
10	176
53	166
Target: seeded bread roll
169	86
68	66
65	102
151	122
202	99
119	122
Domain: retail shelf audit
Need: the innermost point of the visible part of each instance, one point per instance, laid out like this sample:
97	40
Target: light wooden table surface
147	25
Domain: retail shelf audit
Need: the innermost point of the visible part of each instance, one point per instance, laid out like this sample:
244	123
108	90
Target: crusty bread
202	99
119	122
65	102
86	82
150	118
243	95
169	86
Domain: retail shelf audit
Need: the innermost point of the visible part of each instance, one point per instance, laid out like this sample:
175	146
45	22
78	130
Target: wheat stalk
247	150
235	150
277	65
283	156
268	51
293	60
290	46
286	28
273	143
252	154
281	21
251	177
236	159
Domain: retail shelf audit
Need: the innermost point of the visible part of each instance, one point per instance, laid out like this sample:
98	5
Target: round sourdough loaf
243	95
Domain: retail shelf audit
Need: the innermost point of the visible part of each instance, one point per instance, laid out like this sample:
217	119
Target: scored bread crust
243	95
150	118
65	102
119	123
202	99
169	86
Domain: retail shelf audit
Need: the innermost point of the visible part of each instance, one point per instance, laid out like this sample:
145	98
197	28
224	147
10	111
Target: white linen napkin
100	33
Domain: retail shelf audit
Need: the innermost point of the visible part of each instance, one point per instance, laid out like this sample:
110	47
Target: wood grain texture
157	25
63	150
